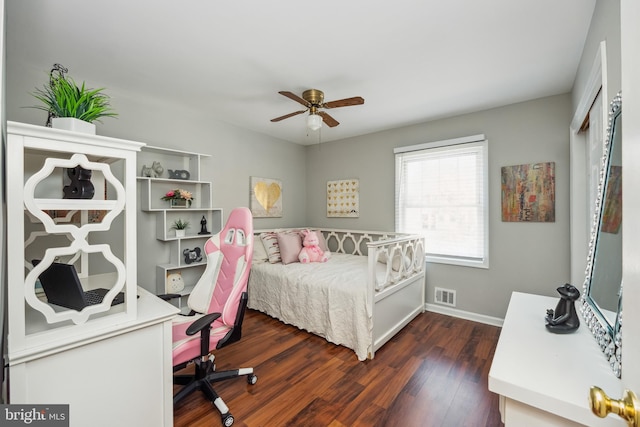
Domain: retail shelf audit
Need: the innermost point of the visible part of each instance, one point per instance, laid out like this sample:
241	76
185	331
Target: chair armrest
167	297
202	323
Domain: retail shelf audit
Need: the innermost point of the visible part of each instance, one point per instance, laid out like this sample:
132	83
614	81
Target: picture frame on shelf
192	255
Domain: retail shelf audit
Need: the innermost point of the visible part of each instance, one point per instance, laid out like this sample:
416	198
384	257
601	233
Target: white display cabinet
165	170
47	343
36	176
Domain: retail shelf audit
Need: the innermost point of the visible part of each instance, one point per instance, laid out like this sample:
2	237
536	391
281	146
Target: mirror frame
608	337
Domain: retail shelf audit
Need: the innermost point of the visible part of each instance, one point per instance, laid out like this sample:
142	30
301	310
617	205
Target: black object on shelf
564	319
203	226
80	186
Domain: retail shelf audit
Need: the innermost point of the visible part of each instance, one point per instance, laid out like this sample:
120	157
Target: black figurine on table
565	317
203	226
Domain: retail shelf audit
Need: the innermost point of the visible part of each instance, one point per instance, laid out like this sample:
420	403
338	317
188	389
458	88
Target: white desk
543	379
119	377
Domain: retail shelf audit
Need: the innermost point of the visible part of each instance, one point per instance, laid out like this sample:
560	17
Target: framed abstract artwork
343	198
266	197
529	193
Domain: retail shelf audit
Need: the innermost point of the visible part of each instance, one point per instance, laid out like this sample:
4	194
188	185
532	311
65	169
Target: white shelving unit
186	165
46	342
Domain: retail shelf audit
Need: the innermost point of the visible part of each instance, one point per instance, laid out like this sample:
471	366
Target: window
441	193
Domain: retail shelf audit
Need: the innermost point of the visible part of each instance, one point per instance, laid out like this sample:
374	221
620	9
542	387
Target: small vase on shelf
180	233
179	203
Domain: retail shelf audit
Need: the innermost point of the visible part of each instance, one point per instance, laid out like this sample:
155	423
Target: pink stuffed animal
311	252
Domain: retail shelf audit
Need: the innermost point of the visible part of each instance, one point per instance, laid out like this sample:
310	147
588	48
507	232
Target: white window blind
441	193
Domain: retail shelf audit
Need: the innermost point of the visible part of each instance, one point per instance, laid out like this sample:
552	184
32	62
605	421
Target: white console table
543	379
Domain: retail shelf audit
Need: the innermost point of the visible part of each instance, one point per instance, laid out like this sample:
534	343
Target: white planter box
73	124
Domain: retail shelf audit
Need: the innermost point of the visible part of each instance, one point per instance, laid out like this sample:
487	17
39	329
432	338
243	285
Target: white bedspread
327	299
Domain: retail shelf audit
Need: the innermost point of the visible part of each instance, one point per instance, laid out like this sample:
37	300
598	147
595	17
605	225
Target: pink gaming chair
217	304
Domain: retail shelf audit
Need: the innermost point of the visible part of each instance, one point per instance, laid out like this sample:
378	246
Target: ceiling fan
313	100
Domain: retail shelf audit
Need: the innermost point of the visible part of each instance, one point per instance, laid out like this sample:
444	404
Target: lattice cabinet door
72	201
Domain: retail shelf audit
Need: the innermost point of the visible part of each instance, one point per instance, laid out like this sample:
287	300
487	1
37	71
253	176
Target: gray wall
526	257
605	25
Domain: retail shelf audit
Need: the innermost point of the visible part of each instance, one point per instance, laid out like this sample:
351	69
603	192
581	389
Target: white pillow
395	260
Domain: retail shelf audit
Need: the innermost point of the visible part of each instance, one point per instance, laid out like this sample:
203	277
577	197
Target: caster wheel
252	379
227	420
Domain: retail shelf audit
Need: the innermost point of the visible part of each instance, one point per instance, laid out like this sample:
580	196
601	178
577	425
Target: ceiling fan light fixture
314	122
313	101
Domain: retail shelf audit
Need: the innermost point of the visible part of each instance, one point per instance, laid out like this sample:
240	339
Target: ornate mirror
602	293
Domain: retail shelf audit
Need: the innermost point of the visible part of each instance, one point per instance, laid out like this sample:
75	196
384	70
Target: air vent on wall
446	297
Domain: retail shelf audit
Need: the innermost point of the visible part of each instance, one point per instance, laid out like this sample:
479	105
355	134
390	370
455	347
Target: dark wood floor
433	373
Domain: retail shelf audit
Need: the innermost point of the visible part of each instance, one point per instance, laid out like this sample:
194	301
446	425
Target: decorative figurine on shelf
80	186
175	283
155	171
565	317
203	226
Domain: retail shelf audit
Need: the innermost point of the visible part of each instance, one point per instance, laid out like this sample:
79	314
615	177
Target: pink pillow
290	243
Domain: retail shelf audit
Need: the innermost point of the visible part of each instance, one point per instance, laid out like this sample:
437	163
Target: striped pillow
270	242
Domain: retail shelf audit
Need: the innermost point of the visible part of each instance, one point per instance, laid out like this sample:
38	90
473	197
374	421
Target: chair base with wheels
205	369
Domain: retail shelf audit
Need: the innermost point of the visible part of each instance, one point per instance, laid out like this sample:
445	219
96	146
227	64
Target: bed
371	287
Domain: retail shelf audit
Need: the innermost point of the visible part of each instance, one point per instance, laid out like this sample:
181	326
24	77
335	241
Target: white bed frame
395	299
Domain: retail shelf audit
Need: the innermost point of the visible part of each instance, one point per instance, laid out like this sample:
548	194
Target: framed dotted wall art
343	198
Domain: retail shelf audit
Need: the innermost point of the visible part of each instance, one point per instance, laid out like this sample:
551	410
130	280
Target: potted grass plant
180	226
73	107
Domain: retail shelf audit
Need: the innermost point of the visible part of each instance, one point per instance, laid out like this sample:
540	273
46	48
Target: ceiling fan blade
294	97
330	121
286	116
356	100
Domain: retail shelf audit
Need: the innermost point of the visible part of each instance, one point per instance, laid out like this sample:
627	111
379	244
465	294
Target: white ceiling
411	60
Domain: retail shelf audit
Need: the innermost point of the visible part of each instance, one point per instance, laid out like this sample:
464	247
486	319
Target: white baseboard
467	315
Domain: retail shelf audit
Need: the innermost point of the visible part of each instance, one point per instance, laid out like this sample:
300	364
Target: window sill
458	261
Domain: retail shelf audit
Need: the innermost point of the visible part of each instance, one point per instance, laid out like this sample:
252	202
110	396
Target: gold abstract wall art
266	197
529	193
343	198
